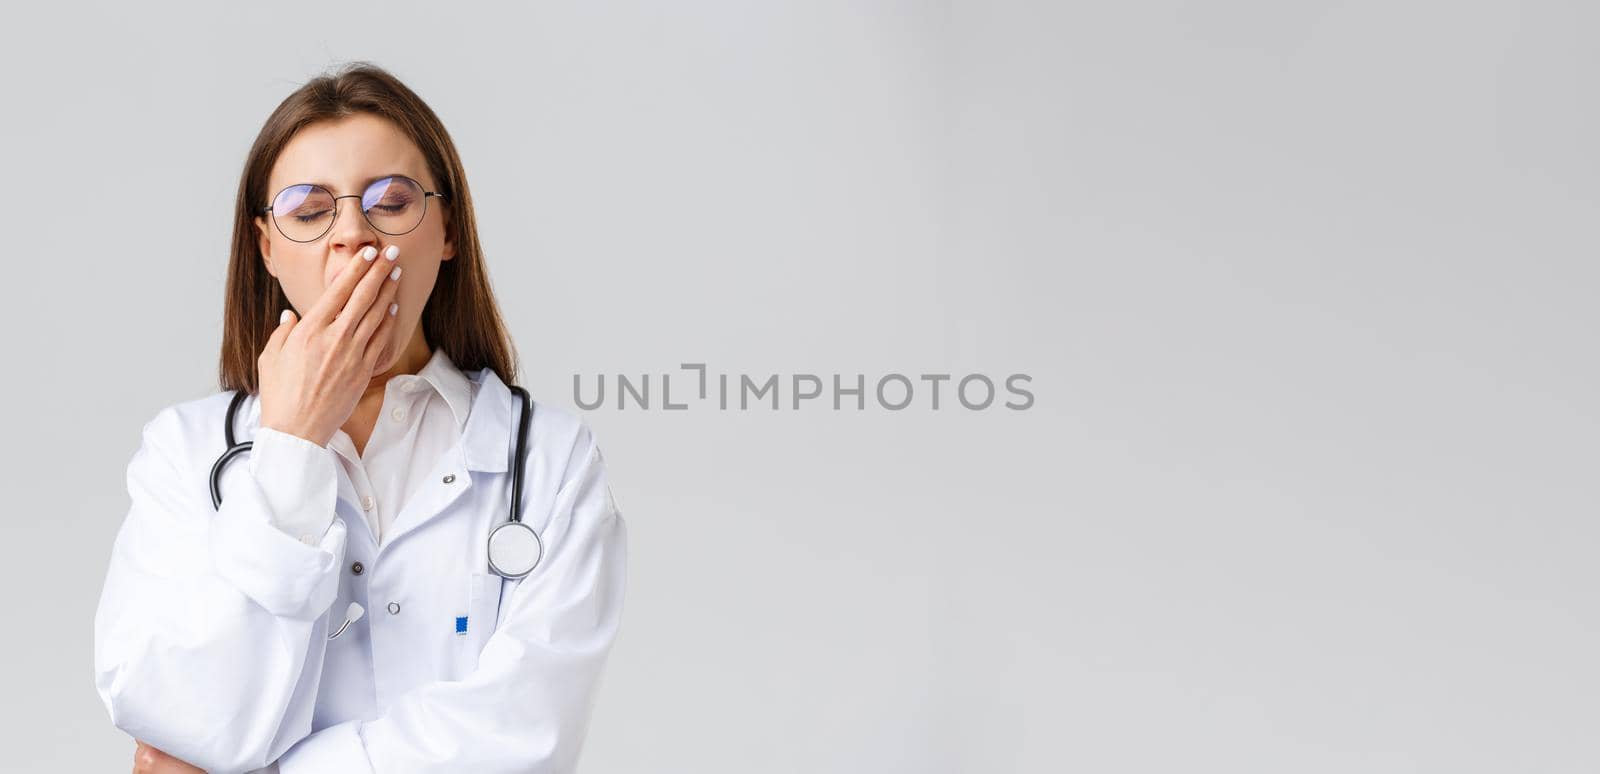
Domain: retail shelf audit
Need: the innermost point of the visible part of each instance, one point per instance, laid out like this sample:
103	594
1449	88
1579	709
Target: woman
384	432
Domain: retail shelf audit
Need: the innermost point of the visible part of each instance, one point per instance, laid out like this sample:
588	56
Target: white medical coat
211	633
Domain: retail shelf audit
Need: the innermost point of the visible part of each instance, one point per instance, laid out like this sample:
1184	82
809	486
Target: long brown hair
460	316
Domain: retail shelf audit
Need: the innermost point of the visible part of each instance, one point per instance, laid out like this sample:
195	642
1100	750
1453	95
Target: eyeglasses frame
426	195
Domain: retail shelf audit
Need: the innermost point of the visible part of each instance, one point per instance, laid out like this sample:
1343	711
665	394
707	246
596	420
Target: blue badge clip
461	624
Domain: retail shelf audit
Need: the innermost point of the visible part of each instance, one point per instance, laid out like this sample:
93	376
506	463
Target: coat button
450	479
394	608
357	568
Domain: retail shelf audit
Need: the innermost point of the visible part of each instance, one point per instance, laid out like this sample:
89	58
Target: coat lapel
484	447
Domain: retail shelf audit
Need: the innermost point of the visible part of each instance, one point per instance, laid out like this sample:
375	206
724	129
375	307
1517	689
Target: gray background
1307	293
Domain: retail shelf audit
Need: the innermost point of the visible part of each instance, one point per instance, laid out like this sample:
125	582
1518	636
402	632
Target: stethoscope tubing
233	450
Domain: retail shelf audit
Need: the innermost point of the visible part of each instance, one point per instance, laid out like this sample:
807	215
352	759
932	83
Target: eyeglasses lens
303	212
393	205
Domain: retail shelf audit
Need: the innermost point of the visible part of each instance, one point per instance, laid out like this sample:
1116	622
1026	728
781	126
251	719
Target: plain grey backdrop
1307	293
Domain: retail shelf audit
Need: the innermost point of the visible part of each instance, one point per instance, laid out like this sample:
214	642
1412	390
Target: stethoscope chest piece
514	549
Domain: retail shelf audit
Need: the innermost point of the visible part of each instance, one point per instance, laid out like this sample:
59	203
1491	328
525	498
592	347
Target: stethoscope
514	547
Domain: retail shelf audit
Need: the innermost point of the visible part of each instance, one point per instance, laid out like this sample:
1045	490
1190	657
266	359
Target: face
344	156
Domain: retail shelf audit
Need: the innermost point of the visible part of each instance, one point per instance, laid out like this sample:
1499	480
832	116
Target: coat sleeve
209	635
526	707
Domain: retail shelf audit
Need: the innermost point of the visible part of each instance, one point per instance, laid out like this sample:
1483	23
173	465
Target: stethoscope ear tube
521	454
216	471
352	614
234	449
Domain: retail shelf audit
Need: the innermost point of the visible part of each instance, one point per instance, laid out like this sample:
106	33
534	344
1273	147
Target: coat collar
441	373
487	438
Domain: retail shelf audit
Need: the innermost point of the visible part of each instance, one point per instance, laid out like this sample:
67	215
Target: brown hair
460	315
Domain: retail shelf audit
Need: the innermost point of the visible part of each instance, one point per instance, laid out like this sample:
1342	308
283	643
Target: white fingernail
393	308
392	252
368	253
283	318
395	274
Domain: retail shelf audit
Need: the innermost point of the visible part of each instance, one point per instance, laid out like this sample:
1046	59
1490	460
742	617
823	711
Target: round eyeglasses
393	205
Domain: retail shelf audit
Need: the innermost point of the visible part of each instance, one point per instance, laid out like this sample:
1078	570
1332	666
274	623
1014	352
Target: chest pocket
482	613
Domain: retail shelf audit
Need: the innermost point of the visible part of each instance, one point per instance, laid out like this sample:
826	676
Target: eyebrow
364	185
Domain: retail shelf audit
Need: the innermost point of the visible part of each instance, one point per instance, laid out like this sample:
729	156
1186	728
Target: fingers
367	292
380	337
286	322
149	760
380	309
335	297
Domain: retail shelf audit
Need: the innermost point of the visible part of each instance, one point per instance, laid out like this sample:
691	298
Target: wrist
298	431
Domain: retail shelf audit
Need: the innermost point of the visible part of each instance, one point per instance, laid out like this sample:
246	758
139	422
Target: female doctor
332	601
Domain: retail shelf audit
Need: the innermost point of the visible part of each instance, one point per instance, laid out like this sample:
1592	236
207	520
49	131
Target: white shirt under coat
421	416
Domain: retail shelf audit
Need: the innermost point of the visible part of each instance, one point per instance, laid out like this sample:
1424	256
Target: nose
351	231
